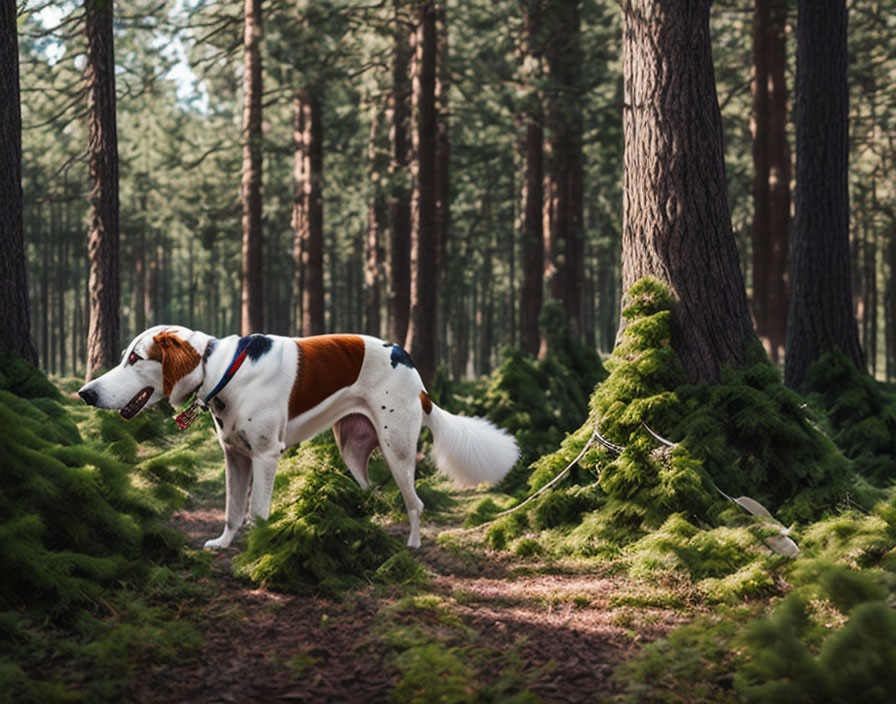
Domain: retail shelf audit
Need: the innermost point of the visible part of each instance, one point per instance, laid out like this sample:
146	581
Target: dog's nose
89	395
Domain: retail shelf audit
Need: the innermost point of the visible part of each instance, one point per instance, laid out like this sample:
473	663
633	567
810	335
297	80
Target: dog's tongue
134	406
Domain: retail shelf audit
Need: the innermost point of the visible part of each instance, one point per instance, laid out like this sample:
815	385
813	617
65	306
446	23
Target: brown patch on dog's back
327	363
426	402
178	358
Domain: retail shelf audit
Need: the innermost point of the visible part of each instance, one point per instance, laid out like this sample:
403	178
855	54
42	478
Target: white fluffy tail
470	450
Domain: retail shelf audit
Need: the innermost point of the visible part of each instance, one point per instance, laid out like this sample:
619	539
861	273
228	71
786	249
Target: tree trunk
420	341
376	217
253	245
309	216
400	202
771	182
821	315
442	179
15	321
563	122
676	222
532	235
103	235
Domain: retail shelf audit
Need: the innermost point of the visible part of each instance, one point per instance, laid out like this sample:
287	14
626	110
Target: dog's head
163	361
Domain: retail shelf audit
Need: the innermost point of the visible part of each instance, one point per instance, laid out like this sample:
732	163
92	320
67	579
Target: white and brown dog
267	393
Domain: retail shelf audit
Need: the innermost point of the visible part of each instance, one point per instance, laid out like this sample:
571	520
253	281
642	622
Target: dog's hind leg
398	441
238	469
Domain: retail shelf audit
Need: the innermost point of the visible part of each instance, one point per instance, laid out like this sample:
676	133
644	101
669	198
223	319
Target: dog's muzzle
136	404
89	395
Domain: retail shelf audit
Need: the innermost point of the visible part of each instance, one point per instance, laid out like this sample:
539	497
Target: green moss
861	414
82	551
319	538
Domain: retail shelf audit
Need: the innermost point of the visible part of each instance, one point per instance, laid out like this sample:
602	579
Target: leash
185	419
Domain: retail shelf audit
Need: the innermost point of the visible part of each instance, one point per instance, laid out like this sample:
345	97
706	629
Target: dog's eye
134	358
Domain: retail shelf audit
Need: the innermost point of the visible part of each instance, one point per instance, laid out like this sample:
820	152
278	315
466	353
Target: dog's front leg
264	468
238	469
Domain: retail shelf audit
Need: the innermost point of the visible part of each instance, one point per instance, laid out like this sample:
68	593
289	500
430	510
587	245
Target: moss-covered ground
634	578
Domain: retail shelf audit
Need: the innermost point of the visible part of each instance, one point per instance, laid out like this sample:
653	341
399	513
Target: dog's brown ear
178	358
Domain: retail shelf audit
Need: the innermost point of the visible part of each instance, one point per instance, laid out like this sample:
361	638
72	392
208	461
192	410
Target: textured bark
15	322
532	234
563	158
103	234
771	183
420	341
400	199
251	193
821	315
309	222
676	222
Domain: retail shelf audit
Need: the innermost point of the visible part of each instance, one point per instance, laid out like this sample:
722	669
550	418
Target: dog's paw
216	544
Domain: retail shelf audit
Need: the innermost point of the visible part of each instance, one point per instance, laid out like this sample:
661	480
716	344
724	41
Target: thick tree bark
15	321
532	234
563	158
771	182
821	315
400	200
309	216
420	341
103	234
251	191
676	222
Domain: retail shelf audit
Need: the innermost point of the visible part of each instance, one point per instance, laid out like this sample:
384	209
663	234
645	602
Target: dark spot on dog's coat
399	356
255	345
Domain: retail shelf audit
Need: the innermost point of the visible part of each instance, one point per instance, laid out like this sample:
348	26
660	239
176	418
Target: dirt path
565	629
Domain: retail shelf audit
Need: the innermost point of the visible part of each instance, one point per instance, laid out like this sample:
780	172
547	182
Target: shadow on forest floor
485	626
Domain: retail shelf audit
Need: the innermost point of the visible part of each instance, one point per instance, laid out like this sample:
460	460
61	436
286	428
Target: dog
267	393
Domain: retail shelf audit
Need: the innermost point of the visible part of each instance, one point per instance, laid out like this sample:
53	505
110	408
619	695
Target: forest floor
484	627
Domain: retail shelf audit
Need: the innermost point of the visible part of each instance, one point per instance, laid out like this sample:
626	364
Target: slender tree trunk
676	222
310	216
376	218
15	321
400	202
771	182
103	235
564	170
821	315
421	336
532	235
890	304
442	179
299	214
253	244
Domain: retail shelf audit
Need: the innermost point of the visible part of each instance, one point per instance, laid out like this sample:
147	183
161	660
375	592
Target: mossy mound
78	542
861	414
747	435
73	523
830	640
319	538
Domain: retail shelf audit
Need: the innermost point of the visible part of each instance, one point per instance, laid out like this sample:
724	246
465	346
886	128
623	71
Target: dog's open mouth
136	404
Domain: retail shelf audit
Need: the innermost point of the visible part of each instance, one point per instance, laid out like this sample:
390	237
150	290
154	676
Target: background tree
771	181
420	341
821	315
103	236
15	321
564	219
532	147
400	200
251	193
676	223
